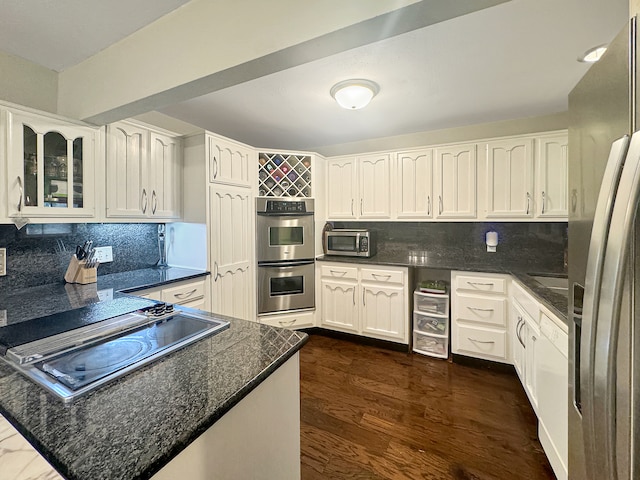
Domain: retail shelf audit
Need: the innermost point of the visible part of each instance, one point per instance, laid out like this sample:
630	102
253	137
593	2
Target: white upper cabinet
359	188
165	176
414	171
374	186
341	188
144	173
229	163
552	181
50	167
509	184
455	185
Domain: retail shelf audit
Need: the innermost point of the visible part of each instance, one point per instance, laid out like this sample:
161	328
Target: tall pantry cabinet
219	174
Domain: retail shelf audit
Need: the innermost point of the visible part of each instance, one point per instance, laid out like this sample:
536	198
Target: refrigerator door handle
595	261
607	327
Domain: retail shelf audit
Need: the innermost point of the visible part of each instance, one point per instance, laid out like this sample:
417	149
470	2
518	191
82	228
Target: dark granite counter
132	427
29	303
456	259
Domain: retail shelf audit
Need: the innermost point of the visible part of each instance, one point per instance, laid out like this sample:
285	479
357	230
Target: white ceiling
514	60
61	33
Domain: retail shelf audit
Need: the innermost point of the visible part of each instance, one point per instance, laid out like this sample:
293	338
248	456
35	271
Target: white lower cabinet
372	302
189	293
479	315
524	337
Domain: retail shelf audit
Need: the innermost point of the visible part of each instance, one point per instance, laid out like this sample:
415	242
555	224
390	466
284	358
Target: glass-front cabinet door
50	168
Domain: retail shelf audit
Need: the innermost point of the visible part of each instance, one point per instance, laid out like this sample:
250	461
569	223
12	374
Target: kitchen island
227	403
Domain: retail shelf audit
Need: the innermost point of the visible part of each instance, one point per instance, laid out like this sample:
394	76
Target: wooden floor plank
371	413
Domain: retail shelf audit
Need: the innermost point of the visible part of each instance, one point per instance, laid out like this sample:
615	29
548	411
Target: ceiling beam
207	46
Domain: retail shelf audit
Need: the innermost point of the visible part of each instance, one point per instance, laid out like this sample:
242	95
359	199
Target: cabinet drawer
481	341
298	320
481	284
427	324
382	276
526	301
485	310
432	345
334	271
183	293
431	303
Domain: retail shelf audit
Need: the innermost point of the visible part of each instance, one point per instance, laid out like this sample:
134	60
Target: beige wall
634	7
558	121
27	83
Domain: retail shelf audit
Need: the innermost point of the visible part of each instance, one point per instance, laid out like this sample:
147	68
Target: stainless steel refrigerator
604	340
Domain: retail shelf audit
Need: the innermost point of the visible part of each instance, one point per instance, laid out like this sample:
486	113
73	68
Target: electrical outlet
3	261
104	254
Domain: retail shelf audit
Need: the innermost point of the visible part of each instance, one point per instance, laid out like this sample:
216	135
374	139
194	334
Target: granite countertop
451	259
132	427
29	303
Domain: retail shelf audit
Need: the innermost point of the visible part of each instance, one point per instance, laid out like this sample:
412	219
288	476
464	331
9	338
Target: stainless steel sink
557	284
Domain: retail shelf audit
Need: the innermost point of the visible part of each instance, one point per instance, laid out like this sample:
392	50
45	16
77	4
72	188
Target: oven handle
285	214
285	264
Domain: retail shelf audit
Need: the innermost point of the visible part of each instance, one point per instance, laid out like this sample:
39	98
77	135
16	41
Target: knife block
77	272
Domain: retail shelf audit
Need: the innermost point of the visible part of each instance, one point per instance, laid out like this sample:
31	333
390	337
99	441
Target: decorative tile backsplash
540	243
39	254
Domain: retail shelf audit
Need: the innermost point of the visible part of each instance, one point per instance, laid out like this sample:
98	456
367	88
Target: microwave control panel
364	244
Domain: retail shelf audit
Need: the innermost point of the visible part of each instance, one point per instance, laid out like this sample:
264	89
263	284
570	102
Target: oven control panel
278	206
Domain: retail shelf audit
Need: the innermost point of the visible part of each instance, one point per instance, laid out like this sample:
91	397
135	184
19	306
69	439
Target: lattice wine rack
281	175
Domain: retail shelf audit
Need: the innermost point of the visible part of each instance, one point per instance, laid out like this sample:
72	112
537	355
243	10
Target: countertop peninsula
132	427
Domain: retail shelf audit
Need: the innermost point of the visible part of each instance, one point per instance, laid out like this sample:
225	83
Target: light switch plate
3	261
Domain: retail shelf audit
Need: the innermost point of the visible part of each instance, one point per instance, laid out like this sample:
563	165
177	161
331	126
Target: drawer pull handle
483	284
481	341
287	324
376	275
185	294
338	272
480	309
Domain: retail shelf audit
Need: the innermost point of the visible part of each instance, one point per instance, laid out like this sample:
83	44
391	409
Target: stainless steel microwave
350	243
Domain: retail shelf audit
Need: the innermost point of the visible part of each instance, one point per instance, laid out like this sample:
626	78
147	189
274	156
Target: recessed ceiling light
593	54
354	94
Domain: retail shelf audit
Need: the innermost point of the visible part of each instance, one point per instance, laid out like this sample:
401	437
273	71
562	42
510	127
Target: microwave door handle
609	308
595	260
357	245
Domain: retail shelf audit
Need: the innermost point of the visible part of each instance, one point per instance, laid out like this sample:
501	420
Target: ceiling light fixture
593	54
354	94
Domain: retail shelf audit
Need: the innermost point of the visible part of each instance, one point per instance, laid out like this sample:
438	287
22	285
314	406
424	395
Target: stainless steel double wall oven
286	251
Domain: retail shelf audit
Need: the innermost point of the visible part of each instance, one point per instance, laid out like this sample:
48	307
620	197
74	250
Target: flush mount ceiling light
354	94
593	54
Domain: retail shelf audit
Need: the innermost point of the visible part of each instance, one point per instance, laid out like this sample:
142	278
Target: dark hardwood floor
370	413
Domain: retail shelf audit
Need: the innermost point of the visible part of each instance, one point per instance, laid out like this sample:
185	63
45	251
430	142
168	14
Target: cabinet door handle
484	284
481	341
478	309
215	167
185	294
428	205
215	271
528	202
287	324
154	202
519	333
544	198
338	272
364	303
361	210
440	202
352	207
354	296
376	275
21	194
144	200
